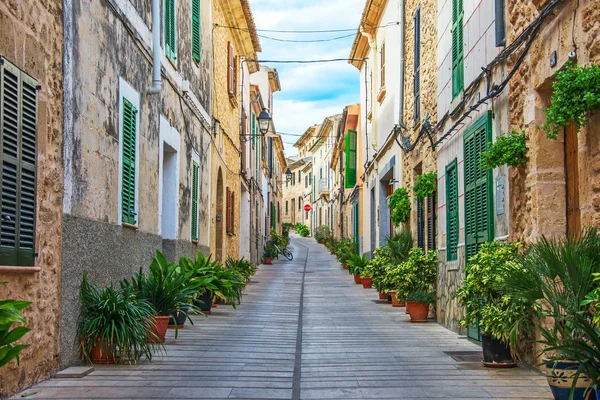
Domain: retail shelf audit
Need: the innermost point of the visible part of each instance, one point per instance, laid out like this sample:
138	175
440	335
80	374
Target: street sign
307	207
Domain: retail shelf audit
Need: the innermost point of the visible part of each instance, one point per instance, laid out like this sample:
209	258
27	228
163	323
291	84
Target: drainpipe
156	78
401	91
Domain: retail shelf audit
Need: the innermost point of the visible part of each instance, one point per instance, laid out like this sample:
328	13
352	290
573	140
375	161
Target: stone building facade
31	66
294	191
133	159
234	52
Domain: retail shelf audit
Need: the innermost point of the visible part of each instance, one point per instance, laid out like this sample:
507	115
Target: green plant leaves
10	313
510	149
399	204
425	185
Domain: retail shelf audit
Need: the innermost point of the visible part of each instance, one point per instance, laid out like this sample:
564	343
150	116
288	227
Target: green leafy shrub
280	240
245	268
116	320
421	296
504	317
357	264
576	92
323	234
302	230
510	149
270	251
425	185
378	269
344	249
399	204
417	273
10	313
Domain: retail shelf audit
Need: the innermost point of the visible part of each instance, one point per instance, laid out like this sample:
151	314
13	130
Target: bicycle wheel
288	254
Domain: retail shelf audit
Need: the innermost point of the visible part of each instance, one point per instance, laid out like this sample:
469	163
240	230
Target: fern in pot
113	324
356	265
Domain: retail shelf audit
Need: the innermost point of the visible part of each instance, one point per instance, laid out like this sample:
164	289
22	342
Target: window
196	36
253	130
299	203
382	66
195	170
420	225
457	48
452	211
273	216
270	161
170	30
18	130
299	177
129	157
305	181
230	212
417	66
231	71
286	207
431	216
350	179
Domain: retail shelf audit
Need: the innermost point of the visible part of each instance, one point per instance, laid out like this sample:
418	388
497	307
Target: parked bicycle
282	250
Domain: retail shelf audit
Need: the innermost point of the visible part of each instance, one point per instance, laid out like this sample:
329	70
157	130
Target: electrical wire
307	41
305	31
307	61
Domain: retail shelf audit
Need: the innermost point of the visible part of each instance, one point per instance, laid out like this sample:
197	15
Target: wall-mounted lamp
264	121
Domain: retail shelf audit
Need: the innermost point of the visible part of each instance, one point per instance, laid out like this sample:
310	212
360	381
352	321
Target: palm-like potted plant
168	289
344	249
10	313
557	277
504	321
269	253
113	324
356	264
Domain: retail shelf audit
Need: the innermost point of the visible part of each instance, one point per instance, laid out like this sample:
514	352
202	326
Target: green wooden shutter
452	211
457	47
196	37
420	224
417	66
18	127
195	169
350	180
128	214
170	30
431	217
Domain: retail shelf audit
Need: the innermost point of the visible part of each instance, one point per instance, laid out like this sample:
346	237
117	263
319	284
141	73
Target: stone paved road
347	346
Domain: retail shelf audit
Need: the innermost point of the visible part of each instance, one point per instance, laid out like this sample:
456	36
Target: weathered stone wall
108	46
450	276
31	39
537	190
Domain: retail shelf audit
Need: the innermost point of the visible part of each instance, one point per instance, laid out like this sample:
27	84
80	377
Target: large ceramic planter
367	282
103	354
160	325
268	260
357	279
408	304
383	296
495	353
180	318
418	311
205	302
395	302
560	378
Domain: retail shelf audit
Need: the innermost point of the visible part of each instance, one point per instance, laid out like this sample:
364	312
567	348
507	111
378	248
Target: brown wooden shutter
235	73
232	212
244	141
227	210
230	70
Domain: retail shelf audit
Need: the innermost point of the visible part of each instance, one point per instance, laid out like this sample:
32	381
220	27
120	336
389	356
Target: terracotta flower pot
345	266
268	260
408	304
367	282
395	302
158	330
103	354
418	311
382	296
357	279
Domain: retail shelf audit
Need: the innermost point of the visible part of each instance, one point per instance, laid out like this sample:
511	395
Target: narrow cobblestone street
304	330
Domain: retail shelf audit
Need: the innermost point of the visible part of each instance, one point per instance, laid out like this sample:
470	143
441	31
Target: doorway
170	191
219	218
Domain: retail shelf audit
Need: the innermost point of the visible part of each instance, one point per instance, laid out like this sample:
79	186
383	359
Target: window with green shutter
195	170
128	212
452	211
479	223
420	224
18	131
457	47
417	66
170	30
196	37
350	180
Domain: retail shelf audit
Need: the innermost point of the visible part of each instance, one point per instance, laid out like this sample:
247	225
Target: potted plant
419	305
302	230
112	324
168	289
377	270
10	313
356	264
496	313
344	249
269	253
417	274
556	279
323	234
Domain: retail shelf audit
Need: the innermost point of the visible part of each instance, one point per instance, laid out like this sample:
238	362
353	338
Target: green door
479	202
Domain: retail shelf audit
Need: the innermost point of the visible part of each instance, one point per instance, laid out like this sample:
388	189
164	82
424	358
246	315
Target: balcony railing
324	186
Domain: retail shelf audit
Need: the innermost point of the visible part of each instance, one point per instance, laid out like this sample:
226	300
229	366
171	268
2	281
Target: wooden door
572	181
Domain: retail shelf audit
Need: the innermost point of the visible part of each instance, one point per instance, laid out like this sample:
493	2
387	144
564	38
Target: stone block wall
31	36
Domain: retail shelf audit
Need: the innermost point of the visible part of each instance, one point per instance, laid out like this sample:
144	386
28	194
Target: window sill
19	270
195	241
130	226
172	62
456	102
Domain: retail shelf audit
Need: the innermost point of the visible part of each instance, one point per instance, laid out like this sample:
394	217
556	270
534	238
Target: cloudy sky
309	92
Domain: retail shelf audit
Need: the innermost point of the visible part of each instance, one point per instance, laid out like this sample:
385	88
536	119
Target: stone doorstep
73	372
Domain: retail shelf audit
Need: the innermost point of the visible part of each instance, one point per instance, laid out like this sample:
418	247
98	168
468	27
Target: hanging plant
576	92
425	185
509	149
399	204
